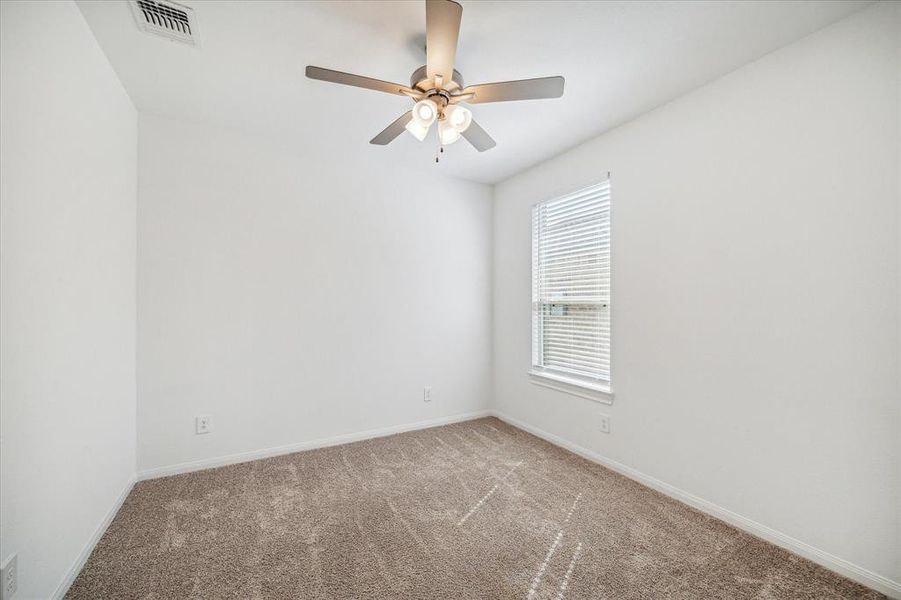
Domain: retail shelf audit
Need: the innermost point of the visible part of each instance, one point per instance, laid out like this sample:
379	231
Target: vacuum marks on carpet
474	510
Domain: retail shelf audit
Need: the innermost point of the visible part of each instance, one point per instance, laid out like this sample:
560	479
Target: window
571	288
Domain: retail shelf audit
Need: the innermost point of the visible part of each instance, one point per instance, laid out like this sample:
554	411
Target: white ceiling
620	59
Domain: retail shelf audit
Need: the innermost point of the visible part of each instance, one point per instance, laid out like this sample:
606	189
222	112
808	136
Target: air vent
166	19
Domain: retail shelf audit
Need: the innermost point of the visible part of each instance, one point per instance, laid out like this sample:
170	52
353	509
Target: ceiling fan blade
357	81
442	27
392	131
523	89
478	137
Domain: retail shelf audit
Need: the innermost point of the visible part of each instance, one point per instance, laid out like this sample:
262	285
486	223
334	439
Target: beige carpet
472	510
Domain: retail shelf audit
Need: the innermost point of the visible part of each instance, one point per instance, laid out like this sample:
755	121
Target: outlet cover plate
203	424
9	577
604	423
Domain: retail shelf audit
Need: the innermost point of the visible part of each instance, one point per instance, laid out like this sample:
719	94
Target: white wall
67	289
756	293
296	296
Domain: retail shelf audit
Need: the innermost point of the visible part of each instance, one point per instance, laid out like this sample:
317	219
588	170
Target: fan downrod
420	81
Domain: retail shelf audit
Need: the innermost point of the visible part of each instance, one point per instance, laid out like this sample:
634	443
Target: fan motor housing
420	80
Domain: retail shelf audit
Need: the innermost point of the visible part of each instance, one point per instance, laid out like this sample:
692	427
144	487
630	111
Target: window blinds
571	284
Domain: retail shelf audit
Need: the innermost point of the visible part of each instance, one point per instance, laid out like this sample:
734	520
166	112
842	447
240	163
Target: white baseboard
827	560
81	559
231	459
830	561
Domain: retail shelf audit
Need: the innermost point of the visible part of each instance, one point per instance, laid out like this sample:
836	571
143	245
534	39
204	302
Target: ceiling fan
437	88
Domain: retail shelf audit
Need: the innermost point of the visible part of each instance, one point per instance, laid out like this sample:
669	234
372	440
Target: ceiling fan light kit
437	97
417	129
458	116
447	133
425	112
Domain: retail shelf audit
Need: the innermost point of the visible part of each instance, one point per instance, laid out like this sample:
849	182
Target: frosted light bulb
425	112
447	134
459	117
416	128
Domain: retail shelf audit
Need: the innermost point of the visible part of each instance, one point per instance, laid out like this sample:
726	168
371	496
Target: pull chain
440	144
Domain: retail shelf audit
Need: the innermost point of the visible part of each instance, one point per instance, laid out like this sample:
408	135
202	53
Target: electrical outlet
203	424
9	577
426	394
604	423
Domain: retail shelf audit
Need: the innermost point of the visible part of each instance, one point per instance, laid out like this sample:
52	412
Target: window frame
596	389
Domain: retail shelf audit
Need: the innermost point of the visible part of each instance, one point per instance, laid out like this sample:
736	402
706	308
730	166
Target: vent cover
166	19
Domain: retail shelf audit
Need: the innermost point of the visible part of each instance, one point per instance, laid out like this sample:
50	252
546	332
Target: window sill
597	392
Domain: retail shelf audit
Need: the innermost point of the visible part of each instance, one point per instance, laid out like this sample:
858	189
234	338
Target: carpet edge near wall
824	559
829	561
78	564
337	440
